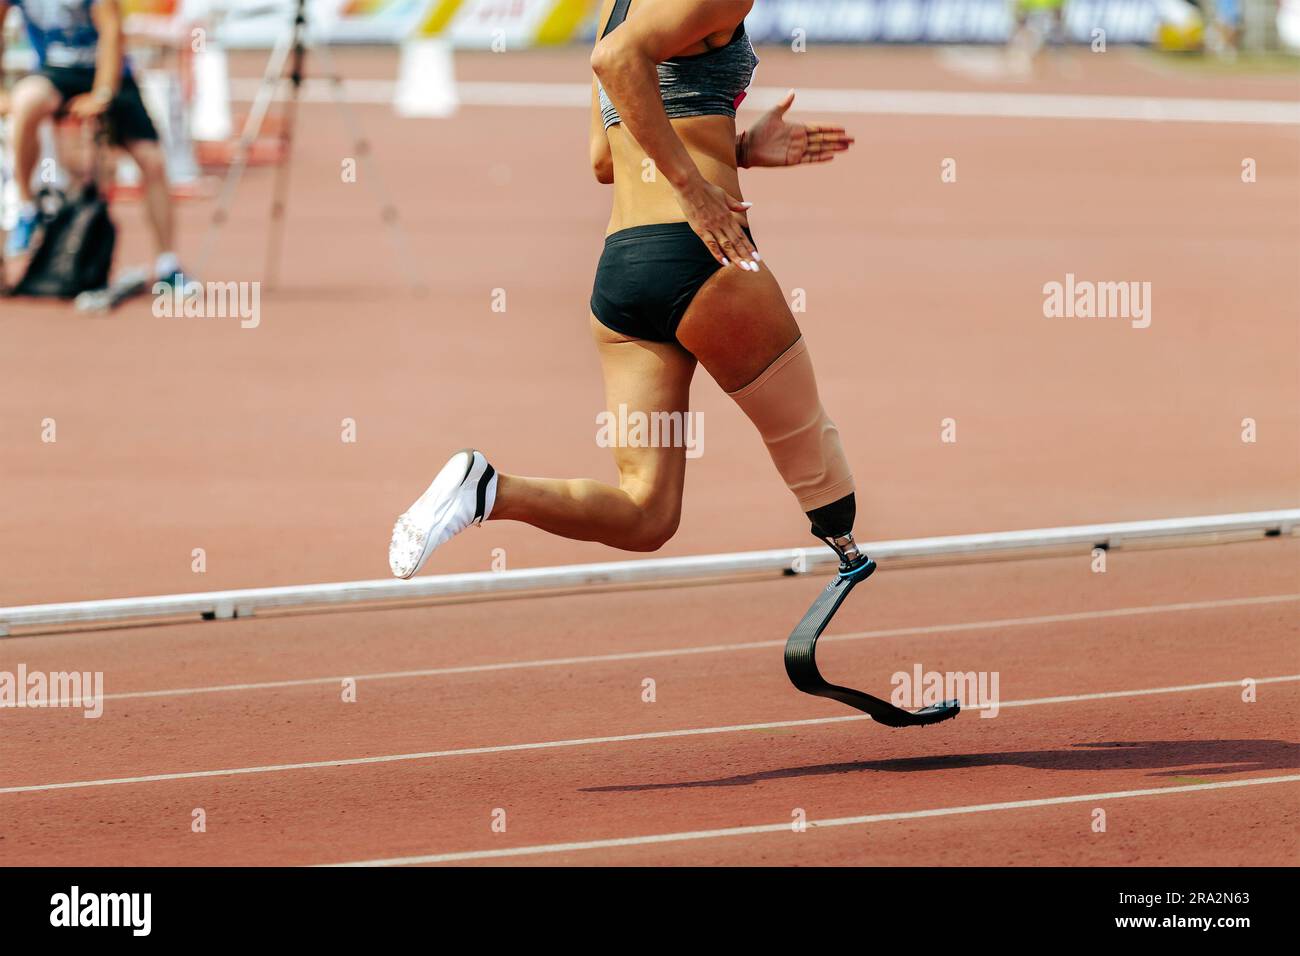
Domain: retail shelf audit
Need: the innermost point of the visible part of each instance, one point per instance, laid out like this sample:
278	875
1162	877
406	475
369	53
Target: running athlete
679	282
82	72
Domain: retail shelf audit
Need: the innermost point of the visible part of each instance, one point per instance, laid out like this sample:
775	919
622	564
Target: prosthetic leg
801	648
782	403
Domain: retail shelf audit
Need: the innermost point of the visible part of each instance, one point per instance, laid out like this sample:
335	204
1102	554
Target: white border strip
594	741
1010	105
548	848
245	602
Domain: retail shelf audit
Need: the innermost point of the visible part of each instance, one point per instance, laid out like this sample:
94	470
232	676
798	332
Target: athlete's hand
773	141
87	106
711	212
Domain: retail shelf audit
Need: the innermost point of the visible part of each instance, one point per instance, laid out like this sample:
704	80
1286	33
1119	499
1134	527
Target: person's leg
642	513
134	131
738	328
34	100
742	331
149	157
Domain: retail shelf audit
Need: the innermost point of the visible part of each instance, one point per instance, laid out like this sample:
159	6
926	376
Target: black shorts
128	120
647	277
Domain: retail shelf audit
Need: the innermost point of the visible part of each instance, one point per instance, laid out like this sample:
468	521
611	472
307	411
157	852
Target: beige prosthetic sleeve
804	444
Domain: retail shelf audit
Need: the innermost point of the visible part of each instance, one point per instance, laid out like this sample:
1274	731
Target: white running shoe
463	493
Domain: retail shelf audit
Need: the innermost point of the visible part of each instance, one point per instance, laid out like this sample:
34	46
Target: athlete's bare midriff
641	196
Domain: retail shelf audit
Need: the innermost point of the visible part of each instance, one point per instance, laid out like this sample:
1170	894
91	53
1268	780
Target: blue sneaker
20	237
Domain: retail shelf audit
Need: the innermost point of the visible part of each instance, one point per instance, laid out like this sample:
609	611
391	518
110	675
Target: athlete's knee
657	519
652	536
802	440
652	530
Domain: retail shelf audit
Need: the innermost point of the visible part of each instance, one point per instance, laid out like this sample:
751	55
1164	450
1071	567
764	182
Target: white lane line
1111	694
591	741
958	628
1010	105
548	848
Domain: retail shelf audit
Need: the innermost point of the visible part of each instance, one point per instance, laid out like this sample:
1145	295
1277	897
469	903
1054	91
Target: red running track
1159	625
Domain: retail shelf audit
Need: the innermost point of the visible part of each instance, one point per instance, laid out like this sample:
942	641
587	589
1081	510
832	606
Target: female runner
679	282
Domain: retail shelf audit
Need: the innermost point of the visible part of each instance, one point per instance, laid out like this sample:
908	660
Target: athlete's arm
624	61
775	141
107	17
602	162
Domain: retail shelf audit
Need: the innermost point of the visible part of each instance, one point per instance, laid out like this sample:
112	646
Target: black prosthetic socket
833	523
834	519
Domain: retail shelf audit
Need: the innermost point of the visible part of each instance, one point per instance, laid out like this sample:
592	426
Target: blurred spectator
1224	35
1038	22
82	72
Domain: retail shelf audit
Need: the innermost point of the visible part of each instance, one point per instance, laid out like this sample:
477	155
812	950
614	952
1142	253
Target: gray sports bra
705	84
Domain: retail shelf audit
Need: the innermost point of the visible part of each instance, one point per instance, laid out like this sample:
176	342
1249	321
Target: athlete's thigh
737	325
643	378
35	98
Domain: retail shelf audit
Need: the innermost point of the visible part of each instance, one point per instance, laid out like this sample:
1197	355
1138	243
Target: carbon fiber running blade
801	661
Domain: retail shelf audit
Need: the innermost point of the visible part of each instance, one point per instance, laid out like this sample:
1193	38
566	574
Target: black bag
75	254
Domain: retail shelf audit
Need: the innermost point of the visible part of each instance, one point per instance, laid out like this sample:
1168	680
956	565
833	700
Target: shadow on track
1171	758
